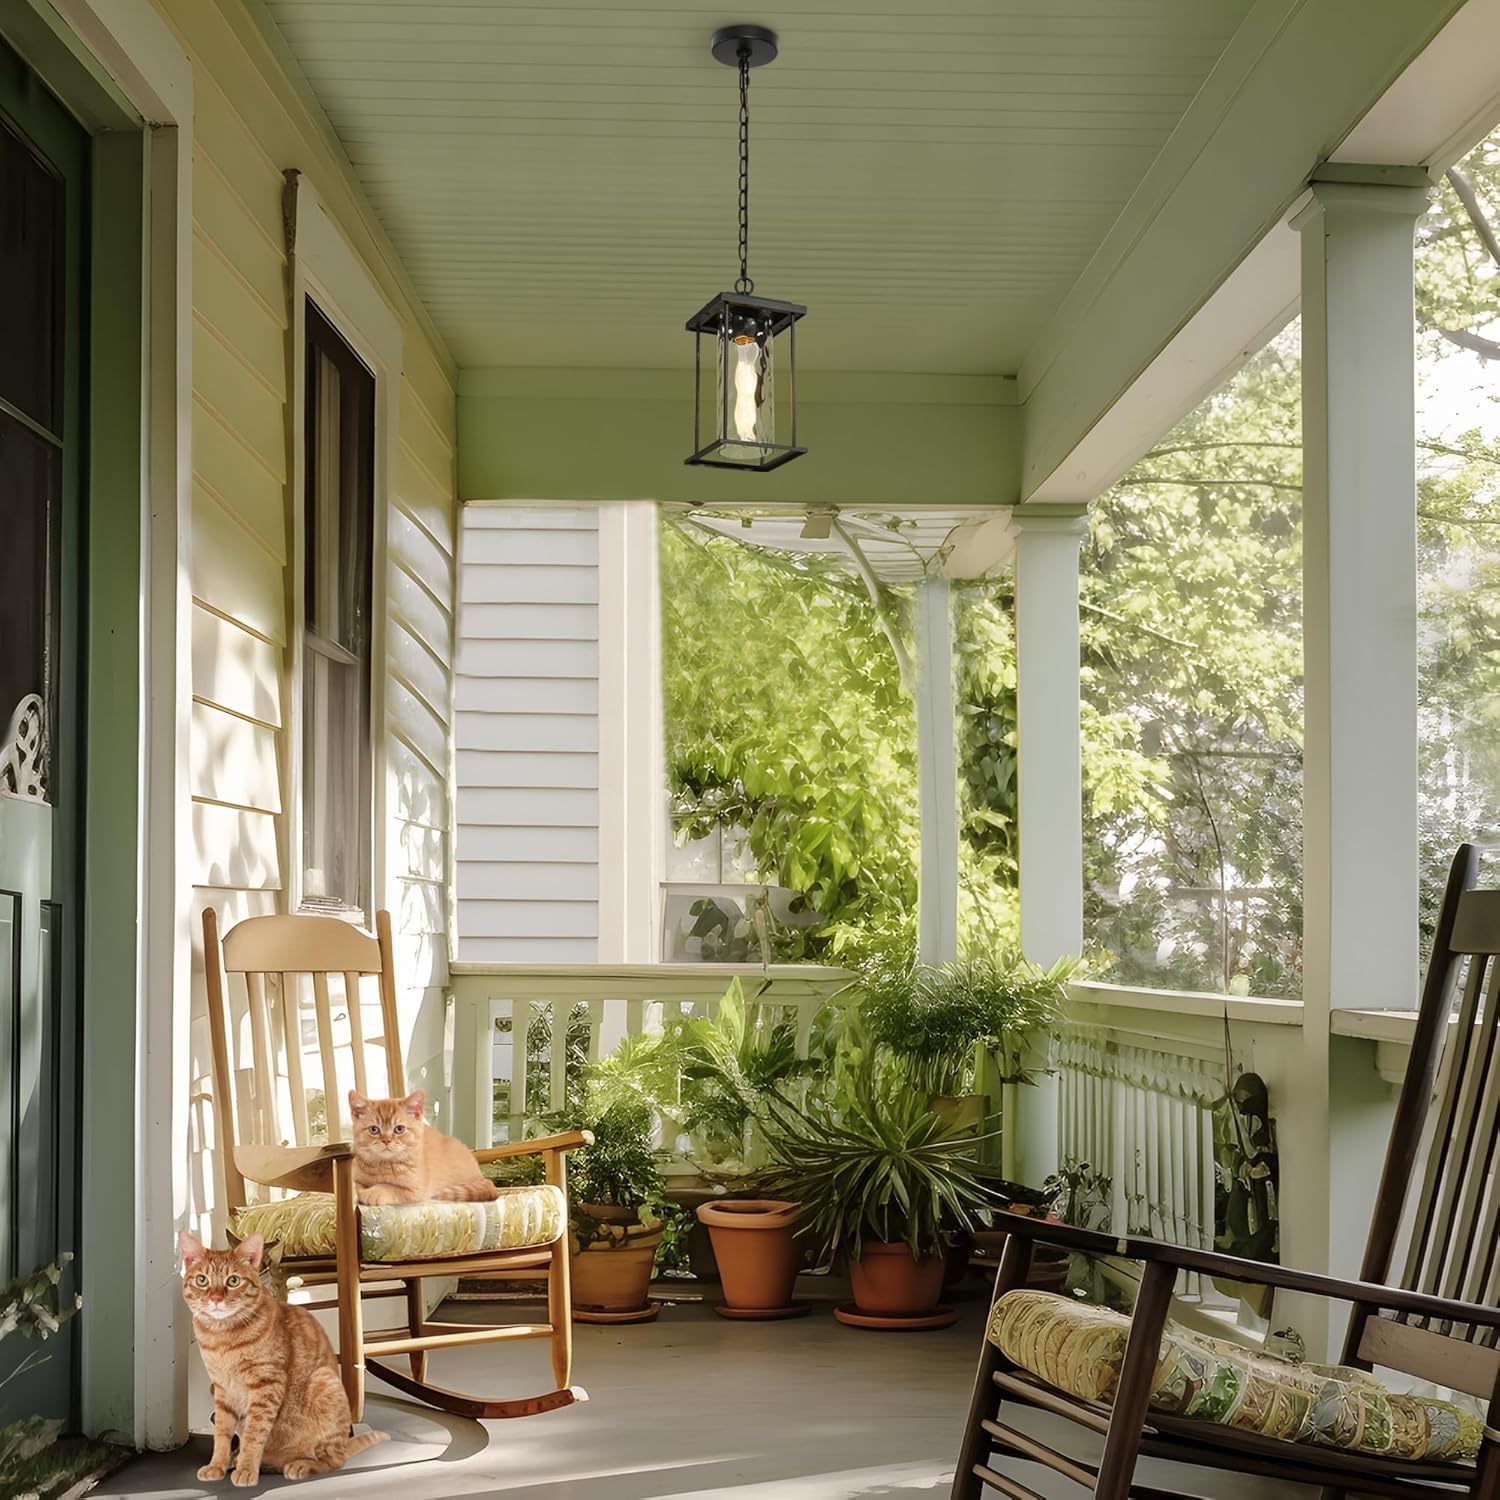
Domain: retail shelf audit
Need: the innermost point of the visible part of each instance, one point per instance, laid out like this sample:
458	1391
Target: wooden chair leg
1487	1472
560	1315
1142	1351
1015	1265
416	1322
346	1270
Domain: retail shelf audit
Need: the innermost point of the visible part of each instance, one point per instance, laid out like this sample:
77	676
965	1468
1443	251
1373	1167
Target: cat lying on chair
275	1381
400	1158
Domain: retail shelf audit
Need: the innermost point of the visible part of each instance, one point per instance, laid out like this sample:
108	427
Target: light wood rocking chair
1439	1324
265	1133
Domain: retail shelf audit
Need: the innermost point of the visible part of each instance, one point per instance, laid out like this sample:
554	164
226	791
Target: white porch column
937	776
1049	783
1360	649
632	781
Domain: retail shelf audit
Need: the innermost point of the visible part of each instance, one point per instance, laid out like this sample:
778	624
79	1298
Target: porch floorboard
688	1406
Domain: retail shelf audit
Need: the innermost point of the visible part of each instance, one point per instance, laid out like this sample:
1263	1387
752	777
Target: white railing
573	1012
1139	1072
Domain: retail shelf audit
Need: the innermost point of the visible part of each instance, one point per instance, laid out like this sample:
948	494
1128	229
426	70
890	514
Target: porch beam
1360	842
1293	81
1049	776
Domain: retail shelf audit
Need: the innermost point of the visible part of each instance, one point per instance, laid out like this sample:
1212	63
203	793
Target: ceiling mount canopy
734	392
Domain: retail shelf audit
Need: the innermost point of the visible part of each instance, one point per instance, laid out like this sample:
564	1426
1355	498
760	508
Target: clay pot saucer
939	1317
762	1314
647	1314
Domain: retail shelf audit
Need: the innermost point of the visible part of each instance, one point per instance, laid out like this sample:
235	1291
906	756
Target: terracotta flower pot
613	1272
887	1281
758	1258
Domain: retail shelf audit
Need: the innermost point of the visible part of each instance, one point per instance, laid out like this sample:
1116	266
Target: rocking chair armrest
307	1169
566	1140
1236	1268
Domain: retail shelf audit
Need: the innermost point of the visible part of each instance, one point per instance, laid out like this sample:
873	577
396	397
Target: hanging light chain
744	285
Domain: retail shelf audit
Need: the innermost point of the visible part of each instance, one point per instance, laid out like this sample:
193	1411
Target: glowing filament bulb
746	388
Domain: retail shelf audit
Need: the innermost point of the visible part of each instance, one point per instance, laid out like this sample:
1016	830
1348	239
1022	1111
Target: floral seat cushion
1079	1348
521	1218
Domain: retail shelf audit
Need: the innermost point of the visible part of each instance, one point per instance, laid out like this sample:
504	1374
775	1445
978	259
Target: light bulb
746	381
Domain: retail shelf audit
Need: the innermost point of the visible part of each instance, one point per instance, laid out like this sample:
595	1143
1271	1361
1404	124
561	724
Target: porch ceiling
559	177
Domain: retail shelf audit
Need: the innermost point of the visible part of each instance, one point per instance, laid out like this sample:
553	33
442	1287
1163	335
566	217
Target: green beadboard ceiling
559	177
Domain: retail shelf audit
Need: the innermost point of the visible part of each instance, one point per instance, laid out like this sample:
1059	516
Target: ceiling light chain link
744	285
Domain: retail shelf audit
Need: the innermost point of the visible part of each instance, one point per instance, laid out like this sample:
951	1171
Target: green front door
43	155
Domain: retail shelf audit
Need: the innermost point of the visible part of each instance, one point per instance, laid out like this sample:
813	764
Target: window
338	521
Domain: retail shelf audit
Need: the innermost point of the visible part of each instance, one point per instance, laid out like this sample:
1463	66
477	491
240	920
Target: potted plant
883	1182
958	1029
616	1218
725	1066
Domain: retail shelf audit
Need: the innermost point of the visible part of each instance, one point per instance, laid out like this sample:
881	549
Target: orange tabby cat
400	1158
275	1380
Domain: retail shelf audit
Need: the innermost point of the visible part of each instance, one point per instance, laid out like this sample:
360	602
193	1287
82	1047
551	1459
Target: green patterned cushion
1079	1348
521	1218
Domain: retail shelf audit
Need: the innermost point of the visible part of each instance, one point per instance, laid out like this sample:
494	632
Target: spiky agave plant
877	1164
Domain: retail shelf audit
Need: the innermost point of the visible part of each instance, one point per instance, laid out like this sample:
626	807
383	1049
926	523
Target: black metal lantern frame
744	331
737	382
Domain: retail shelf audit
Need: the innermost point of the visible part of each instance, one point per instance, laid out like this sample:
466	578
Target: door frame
117	66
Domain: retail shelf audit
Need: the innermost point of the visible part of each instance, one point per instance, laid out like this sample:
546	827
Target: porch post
1049	778
1360	947
937	776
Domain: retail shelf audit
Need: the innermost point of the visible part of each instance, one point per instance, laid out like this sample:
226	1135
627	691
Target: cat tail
362	1440
472	1190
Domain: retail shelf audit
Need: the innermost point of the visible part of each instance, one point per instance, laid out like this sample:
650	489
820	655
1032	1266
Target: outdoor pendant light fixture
734	392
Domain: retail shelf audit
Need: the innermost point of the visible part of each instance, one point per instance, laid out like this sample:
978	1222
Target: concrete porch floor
688	1406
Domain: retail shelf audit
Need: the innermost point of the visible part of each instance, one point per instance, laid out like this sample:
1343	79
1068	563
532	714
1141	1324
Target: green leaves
932	1019
877	1164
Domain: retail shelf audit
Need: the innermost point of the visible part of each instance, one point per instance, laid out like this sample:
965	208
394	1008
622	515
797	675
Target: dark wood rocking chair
1440	1324
267	1132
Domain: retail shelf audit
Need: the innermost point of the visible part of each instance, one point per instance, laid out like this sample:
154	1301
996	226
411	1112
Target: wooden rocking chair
1441	1324
267	1134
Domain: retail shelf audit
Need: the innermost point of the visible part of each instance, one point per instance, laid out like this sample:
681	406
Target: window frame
327	272
328	639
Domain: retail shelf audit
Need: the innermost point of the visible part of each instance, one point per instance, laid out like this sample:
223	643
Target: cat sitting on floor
275	1380
400	1158
272	1273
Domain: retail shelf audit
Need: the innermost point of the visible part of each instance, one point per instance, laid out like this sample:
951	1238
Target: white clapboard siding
527	696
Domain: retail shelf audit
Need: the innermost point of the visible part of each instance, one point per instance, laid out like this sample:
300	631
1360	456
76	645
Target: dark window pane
28	474
339	525
31	255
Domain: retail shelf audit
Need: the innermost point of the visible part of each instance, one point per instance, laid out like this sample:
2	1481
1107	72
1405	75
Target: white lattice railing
1138	1075
590	1008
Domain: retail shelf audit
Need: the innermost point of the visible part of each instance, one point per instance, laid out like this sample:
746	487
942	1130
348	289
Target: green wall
564	434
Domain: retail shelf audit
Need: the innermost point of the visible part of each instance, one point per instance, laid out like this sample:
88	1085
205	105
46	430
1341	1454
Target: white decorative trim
23	752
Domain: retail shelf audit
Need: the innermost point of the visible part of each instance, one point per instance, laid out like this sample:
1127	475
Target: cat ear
249	1248
415	1103
191	1247
358	1104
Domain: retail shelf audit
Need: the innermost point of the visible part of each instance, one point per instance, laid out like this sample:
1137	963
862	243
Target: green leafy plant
936	1021
1079	1195
32	1459
620	1169
726	1065
876	1164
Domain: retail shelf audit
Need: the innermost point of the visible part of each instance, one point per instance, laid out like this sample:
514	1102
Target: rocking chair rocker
267	1132
1440	1324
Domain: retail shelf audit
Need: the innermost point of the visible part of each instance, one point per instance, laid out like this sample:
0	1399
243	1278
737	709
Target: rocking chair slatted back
301	1030
1454	1207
